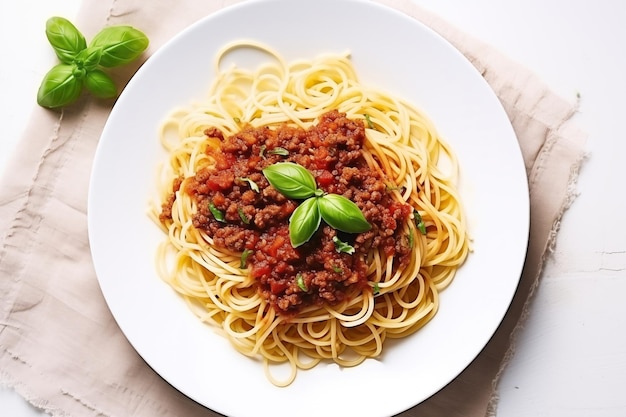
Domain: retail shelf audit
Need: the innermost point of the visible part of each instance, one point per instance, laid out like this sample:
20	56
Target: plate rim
235	8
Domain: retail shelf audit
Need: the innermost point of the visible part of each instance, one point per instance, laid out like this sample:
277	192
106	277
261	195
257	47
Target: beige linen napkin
59	345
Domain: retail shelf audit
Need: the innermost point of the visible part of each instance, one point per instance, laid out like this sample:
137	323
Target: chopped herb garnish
375	288
301	283
342	247
244	258
243	216
337	270
279	151
251	183
411	239
419	222
217	214
369	121
275	151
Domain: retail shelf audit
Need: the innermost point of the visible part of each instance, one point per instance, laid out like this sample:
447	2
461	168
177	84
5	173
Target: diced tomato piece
399	210
254	161
325	178
287	208
261	269
278	287
219	199
276	244
281	267
221	180
223	161
321	155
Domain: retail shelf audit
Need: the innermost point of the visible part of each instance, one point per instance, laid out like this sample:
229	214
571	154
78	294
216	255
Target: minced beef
256	221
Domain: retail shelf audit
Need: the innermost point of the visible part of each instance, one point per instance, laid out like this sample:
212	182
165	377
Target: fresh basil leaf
301	283
100	84
342	247
342	214
262	151
291	180
88	58
303	222
244	258
66	40
217	214
120	45
59	87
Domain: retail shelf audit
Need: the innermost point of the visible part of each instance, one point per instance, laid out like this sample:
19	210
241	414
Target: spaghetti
397	290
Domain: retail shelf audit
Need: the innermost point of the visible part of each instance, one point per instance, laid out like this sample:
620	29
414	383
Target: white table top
570	359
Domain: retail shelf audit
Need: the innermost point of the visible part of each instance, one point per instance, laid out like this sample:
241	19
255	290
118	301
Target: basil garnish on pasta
296	182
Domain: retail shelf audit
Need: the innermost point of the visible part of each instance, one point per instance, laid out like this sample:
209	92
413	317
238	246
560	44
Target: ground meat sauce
257	221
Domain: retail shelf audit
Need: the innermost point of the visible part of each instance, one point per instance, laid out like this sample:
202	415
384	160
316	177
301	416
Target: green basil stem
88	58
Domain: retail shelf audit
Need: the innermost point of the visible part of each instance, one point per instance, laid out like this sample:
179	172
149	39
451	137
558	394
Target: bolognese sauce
242	212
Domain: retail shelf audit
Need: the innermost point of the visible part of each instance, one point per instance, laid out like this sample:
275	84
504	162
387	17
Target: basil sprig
80	62
296	182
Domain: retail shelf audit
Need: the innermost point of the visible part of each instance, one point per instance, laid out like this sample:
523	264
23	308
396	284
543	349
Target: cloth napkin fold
59	345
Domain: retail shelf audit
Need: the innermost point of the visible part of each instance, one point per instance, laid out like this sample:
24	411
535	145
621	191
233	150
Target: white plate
389	50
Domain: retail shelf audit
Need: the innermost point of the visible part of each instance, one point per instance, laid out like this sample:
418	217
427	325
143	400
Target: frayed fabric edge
571	195
42	405
8	382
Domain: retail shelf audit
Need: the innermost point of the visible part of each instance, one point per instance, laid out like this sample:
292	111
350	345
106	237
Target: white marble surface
571	355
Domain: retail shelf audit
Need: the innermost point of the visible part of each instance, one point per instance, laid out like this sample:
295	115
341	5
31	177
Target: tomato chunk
325	178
